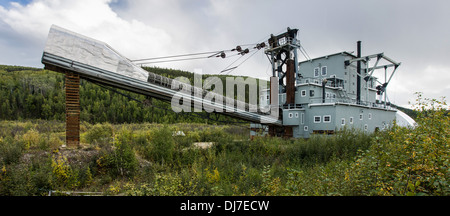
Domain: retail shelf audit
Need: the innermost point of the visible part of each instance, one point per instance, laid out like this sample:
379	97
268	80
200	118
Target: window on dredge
324	70
316	72
303	93
317	119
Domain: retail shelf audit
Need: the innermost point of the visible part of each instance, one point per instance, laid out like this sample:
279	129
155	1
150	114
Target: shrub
31	138
194	136
406	161
212	176
270	185
119	160
51	141
164	185
328	179
11	150
99	134
55	141
63	174
33	178
40	171
162	145
213	135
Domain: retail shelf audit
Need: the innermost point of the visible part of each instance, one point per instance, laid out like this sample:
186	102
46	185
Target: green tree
162	145
120	160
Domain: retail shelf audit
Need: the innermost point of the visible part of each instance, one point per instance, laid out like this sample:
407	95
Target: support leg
72	86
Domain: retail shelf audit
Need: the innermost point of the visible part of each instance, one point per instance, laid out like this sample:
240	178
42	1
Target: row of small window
303	93
361	117
320	70
326	119
291	115
366	127
311	94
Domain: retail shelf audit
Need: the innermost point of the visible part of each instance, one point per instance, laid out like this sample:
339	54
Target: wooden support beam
72	88
290	93
288	132
290	82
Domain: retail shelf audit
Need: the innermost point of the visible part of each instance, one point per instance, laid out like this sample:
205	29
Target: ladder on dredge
78	56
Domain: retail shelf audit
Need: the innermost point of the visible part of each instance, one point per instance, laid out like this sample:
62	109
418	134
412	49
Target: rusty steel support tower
72	86
72	92
282	53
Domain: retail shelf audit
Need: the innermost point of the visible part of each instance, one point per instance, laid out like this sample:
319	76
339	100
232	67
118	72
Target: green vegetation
130	156
150	159
409	162
147	159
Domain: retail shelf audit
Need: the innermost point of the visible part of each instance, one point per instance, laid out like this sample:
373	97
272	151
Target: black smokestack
358	70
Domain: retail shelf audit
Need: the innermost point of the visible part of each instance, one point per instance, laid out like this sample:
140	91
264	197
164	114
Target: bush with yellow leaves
63	174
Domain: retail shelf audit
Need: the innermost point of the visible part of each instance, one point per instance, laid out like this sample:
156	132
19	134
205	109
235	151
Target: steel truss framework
381	89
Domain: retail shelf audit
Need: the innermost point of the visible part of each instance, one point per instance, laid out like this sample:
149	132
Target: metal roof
339	53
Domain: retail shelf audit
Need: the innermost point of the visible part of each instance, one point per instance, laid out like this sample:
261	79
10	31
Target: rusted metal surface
288	132
290	82
72	88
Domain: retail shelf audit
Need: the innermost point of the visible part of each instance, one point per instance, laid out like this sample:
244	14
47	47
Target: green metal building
330	93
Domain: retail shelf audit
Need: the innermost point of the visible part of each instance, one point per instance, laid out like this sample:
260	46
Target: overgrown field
150	159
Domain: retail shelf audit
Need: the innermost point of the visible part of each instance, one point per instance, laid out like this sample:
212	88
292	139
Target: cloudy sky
415	33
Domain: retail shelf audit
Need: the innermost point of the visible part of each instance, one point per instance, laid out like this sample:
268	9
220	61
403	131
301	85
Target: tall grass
141	160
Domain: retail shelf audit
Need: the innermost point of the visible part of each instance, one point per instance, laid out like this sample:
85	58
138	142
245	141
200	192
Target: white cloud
93	18
411	32
431	81
203	26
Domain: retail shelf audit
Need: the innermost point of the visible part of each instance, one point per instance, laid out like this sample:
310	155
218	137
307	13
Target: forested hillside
32	93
